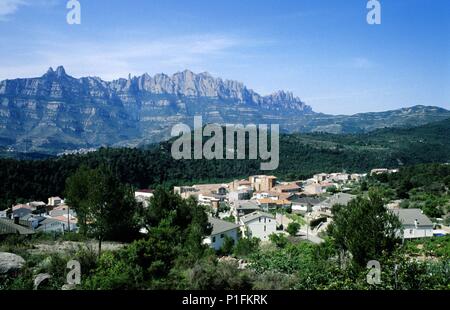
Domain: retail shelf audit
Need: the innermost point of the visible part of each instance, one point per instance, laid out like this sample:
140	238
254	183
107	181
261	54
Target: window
260	220
214	239
264	228
222	236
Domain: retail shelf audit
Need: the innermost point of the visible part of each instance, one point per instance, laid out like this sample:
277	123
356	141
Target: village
257	207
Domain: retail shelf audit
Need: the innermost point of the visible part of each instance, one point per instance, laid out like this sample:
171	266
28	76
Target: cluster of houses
37	216
253	207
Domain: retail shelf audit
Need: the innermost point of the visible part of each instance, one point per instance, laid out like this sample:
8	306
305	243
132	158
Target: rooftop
220	226
8	227
257	214
339	199
409	217
247	204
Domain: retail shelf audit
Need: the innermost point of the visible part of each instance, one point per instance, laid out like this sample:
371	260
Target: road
309	236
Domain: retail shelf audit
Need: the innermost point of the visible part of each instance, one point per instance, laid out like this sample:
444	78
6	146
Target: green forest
301	155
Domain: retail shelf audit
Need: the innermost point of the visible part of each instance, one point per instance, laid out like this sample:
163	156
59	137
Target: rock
10	263
129	108
40	279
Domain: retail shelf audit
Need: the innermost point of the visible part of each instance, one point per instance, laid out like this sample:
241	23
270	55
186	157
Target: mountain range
57	112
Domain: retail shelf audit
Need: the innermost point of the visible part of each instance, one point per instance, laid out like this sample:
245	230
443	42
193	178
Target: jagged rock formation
58	112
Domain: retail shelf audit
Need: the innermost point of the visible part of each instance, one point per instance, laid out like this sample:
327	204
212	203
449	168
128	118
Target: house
243	207
37	204
287	188
317	188
61	210
263	183
143	196
415	224
240	195
382	171
33	220
54	201
240	184
304	205
16	227
220	230
273	203
20	212
48	225
259	225
4	214
68	222
23	206
144	193
357	177
337	199
339	177
183	189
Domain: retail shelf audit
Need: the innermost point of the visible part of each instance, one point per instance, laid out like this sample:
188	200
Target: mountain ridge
57	112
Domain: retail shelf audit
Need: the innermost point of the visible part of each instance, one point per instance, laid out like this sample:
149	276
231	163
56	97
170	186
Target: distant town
256	207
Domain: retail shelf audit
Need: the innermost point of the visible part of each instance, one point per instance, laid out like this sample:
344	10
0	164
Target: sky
324	51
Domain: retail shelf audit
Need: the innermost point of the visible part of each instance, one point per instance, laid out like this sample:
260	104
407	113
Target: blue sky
322	50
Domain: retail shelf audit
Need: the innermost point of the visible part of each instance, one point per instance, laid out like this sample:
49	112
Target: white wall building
415	223
259	225
220	230
54	201
143	196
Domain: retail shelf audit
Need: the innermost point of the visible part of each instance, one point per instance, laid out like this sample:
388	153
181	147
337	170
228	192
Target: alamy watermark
374	274
73	276
74	15
374	14
235	138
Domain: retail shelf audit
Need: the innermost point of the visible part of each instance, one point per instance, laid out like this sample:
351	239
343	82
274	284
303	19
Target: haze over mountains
57	112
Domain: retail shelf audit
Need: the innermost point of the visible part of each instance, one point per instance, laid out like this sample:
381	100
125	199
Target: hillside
301	155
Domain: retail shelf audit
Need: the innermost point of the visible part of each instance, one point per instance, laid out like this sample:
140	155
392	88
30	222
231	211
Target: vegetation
421	186
172	256
364	228
106	209
301	155
293	228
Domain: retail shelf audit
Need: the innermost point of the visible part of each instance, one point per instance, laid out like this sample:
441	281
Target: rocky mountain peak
60	71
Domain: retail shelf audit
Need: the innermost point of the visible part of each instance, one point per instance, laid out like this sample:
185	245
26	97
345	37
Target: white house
415	223
259	224
54	201
143	196
220	230
304	204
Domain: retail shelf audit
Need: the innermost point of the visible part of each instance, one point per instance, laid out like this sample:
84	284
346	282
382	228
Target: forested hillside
301	155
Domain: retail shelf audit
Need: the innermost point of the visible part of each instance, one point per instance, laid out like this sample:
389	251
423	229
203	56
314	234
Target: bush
293	228
246	246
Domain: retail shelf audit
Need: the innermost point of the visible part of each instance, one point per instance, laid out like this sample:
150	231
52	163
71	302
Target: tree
332	190
279	240
227	246
106	208
246	246
293	228
365	228
186	215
